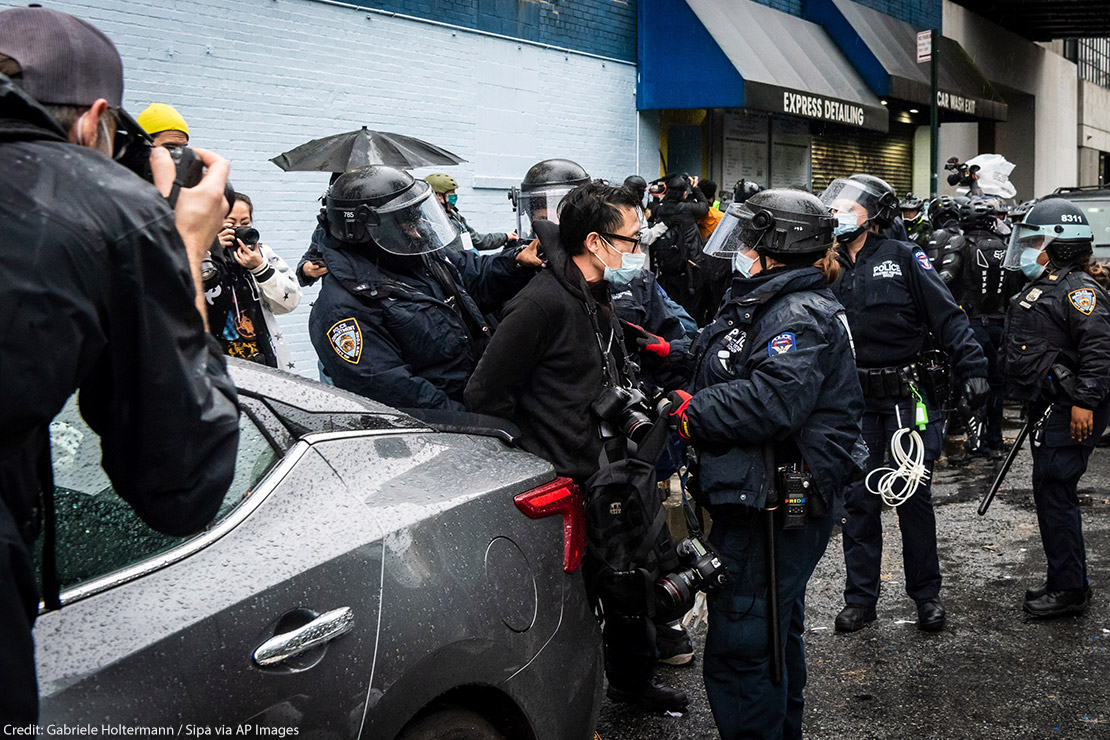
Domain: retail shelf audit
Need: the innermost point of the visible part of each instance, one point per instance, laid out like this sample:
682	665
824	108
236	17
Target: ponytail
830	267
1097	270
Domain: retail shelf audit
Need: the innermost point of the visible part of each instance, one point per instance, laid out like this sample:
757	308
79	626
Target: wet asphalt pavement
993	673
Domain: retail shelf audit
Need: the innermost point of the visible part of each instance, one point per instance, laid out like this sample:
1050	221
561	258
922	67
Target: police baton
989	497
775	627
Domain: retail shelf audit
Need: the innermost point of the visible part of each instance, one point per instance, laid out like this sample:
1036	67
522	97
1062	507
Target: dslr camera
626	409
702	571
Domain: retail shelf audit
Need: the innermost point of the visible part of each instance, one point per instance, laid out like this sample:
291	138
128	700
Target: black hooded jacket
544	366
96	295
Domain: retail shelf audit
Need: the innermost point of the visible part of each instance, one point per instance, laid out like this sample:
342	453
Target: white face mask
631	264
1029	264
742	264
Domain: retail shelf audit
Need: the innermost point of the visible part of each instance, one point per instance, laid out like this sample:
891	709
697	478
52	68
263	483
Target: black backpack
628	542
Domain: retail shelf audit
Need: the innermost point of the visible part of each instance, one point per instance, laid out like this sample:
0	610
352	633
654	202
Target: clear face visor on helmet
842	194
1035	237
725	241
542	203
414	223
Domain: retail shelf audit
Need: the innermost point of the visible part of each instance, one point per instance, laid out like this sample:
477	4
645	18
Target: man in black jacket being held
557	347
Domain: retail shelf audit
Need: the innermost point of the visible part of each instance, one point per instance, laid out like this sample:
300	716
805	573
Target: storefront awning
884	51
739	54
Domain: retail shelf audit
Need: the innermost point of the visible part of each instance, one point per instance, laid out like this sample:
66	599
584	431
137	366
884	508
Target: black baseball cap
64	60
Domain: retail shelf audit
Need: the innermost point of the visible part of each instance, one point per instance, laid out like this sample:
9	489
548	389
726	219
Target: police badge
1083	300
346	339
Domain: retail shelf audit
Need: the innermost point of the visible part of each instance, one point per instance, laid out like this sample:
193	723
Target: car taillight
560	496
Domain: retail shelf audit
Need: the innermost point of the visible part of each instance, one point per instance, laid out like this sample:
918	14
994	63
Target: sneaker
673	642
653	696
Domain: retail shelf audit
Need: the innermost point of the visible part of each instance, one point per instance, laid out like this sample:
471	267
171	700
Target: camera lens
636	425
247	235
675	591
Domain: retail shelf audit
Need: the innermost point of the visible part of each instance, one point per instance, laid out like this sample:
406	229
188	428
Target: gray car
368	576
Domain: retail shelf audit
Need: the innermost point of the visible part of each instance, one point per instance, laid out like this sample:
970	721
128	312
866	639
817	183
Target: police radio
795	486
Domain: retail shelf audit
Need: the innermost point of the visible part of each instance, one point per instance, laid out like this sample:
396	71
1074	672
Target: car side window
97	531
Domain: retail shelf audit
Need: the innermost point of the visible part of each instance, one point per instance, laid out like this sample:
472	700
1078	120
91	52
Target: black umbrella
353	149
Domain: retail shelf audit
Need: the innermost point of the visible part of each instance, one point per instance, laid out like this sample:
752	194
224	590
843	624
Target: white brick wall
257	77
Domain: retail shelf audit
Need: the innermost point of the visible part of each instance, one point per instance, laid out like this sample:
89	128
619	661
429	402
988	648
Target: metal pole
934	122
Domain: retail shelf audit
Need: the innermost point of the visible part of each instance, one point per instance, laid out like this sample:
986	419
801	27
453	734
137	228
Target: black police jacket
984	287
775	366
384	328
96	295
1061	318
644	302
945	251
894	301
543	368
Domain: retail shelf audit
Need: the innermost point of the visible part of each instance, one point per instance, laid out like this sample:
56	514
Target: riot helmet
942	210
783	224
635	185
1018	212
1053	225
386	207
543	187
866	193
978	213
744	190
911	203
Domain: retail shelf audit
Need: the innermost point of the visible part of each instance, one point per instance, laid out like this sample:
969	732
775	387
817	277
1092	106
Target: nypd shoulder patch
1083	300
922	259
782	344
346	339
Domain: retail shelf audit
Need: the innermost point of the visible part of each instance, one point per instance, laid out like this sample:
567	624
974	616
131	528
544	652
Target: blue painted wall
604	27
920	13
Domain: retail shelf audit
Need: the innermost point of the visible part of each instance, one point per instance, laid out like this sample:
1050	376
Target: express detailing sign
817	107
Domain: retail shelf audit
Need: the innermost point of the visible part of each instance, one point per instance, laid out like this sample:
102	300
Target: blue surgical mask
631	266
453	198
742	264
1029	264
846	223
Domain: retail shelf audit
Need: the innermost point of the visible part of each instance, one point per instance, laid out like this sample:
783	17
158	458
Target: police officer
913	216
1056	357
774	375
946	243
399	318
99	291
894	301
895	228
983	288
696	283
544	186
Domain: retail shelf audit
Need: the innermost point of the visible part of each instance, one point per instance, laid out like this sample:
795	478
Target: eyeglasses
633	240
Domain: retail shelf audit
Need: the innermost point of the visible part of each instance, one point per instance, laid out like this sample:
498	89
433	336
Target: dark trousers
745	704
19	601
989	337
630	653
863	531
1058	464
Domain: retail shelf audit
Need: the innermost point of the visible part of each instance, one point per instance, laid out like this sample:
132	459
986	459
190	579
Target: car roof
1083	192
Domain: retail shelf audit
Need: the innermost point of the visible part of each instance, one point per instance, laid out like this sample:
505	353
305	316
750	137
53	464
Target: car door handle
323	628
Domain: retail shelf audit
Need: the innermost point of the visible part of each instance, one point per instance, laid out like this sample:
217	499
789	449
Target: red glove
645	341
676	413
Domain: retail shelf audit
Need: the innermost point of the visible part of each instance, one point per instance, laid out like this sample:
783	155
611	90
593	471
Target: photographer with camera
99	292
246	284
775	382
557	368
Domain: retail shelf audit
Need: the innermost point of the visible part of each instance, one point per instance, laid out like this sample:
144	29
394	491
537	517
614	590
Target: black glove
976	391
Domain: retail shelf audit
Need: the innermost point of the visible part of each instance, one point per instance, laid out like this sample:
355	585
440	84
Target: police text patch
923	260
1083	300
346	339
887	269
781	344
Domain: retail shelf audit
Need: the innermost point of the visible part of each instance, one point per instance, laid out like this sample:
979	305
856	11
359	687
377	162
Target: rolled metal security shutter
838	154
